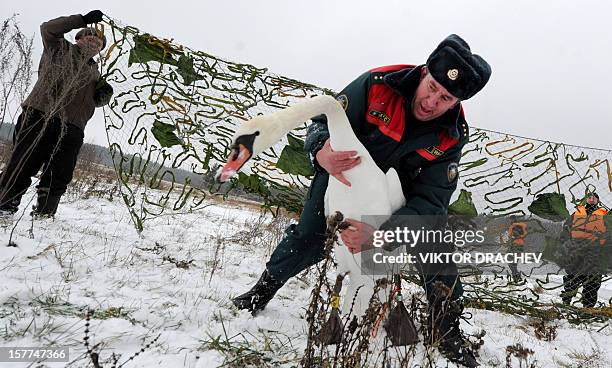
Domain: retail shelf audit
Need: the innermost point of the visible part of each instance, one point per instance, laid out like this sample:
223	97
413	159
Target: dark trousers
303	244
39	141
590	286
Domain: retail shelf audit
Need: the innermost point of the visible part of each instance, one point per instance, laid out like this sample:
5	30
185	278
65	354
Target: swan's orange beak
238	156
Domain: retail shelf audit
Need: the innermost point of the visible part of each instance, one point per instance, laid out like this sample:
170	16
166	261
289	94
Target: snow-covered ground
174	282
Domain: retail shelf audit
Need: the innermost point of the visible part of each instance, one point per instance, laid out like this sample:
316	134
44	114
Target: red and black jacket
424	154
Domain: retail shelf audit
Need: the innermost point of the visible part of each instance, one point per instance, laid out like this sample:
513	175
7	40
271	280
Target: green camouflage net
540	183
175	109
172	118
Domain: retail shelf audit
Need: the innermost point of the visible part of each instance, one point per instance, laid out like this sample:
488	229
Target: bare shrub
15	68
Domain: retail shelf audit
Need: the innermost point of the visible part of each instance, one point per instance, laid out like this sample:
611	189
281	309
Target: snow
91	256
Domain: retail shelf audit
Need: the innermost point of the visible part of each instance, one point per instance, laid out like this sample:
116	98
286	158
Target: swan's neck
341	134
283	121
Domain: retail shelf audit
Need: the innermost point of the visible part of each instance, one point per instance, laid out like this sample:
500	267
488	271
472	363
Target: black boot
46	204
443	329
256	299
590	288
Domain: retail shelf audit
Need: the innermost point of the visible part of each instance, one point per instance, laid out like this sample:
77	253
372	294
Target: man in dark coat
409	118
49	131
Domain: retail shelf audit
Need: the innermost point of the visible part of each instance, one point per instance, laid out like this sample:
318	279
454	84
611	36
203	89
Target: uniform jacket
425	154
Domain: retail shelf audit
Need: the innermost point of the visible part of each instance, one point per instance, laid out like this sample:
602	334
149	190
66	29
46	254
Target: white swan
372	192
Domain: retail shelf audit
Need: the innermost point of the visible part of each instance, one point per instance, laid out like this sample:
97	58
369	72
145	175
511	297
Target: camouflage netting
175	109
172	118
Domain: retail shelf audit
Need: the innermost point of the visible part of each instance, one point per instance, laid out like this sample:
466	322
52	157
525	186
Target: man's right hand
336	162
94	16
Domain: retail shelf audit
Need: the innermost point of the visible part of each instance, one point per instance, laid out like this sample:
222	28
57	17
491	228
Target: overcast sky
551	59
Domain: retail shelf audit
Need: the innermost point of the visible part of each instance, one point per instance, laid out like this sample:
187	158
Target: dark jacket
425	152
67	80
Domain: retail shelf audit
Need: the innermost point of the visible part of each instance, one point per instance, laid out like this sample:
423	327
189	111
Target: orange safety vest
590	227
517	232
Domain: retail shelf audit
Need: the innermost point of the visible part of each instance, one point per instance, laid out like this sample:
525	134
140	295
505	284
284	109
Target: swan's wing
394	186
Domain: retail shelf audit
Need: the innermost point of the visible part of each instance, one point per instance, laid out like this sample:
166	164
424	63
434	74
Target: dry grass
593	358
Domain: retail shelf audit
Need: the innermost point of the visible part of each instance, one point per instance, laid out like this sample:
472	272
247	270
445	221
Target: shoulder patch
452	172
343	100
446	142
435	151
380	116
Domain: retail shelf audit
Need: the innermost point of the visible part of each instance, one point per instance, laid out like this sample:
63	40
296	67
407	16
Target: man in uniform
409	118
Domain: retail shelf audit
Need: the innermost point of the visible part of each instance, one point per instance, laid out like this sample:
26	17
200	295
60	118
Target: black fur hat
90	31
453	65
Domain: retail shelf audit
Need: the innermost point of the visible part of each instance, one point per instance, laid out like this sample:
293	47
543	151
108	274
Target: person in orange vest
587	236
516	233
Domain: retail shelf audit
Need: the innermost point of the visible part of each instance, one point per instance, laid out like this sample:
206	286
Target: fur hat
453	65
90	31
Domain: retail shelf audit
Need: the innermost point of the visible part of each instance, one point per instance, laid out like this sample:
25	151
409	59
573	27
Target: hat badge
452	74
